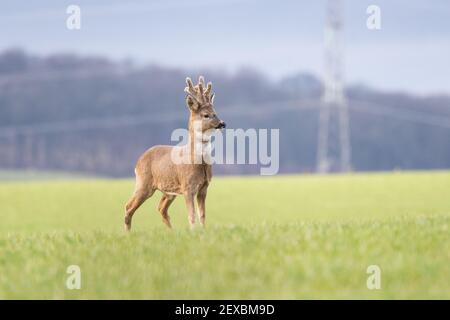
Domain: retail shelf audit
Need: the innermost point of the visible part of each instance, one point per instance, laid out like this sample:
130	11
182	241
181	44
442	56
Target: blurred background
90	101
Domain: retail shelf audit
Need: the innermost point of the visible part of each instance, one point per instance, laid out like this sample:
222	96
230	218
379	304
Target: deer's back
156	168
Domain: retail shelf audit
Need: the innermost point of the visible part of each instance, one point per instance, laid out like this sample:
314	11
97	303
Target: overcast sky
411	52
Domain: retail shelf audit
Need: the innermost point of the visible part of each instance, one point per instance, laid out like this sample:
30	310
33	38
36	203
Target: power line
135	120
264	109
412	116
39	76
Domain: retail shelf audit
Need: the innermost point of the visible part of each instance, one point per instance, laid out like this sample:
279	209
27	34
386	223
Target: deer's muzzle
221	125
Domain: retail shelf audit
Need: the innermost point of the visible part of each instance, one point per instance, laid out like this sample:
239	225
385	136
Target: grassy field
288	237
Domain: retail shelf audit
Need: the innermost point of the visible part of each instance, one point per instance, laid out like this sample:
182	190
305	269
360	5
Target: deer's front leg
201	198
189	197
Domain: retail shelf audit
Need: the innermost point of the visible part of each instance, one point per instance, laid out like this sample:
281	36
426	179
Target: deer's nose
222	125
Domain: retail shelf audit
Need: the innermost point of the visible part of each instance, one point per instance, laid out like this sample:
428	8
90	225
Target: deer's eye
206	116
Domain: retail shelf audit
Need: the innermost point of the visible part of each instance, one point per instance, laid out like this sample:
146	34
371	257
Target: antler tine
190	90
201	83
190	85
201	80
208	89
200	90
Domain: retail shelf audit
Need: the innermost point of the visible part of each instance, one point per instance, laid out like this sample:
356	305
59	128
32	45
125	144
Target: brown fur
155	169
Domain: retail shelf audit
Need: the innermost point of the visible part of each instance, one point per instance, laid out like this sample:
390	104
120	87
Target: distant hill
92	115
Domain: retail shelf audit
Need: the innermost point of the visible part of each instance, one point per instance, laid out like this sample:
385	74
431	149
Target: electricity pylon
333	149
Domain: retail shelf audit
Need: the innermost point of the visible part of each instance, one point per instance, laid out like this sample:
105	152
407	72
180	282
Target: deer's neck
199	145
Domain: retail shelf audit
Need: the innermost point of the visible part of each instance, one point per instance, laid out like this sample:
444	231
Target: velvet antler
198	93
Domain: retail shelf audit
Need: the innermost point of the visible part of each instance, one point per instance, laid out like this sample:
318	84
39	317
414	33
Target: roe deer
157	170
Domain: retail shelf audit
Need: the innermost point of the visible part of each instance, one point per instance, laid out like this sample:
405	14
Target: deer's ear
192	105
212	98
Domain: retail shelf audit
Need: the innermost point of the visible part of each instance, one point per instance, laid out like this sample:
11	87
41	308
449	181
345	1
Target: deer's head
200	101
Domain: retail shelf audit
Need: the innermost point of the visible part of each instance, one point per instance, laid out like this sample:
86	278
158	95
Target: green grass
276	237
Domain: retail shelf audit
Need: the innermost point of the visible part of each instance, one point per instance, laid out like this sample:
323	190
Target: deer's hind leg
140	195
163	208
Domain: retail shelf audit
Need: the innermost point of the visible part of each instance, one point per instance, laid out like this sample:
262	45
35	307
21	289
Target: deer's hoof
127	224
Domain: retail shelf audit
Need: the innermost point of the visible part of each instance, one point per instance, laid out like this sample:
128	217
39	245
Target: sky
410	53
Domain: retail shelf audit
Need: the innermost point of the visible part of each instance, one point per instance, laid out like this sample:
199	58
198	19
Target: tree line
94	115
